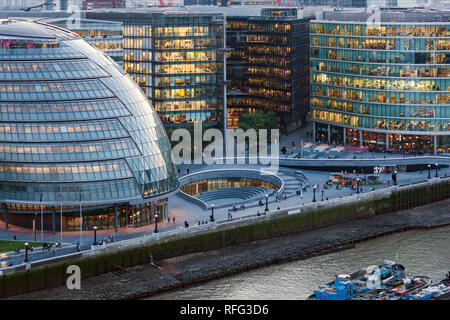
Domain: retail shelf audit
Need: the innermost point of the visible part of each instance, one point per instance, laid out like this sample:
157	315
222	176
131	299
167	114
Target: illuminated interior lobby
386	86
77	136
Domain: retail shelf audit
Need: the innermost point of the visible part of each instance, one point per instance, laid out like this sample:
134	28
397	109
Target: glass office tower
75	131
382	86
268	66
174	57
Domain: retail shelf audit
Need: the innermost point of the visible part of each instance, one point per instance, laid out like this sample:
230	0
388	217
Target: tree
258	120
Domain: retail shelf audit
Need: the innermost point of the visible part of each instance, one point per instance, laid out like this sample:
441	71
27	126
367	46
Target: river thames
422	252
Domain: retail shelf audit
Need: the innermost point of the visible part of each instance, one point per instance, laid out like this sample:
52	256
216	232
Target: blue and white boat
382	277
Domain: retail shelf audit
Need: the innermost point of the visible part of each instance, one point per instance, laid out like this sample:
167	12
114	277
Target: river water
422	252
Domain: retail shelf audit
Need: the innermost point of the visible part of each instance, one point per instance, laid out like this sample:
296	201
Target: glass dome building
76	132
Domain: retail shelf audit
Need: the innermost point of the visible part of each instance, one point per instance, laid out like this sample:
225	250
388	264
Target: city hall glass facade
268	66
383	87
174	57
75	130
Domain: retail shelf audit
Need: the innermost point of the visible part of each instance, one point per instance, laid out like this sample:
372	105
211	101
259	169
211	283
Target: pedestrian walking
173	219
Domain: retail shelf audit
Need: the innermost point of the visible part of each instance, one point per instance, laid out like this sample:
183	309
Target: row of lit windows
167	106
140	67
268	39
185	56
266	71
146	31
380	56
185	93
186	68
271	61
137	55
381	44
380	83
108	45
269	50
381	109
384	30
383	97
259	103
188	117
270	83
381	124
186	44
380	70
189	80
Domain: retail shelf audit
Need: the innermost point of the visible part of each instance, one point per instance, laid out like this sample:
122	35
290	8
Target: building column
116	218
329	134
387	141
53	221
6	215
344	142
434	145
314	132
360	139
152	211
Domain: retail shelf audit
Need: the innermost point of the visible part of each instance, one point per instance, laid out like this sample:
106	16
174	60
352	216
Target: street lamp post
267	203
156	224
429	173
42	220
26	252
322	195
212	213
394	177
437	166
314	193
35	226
95	235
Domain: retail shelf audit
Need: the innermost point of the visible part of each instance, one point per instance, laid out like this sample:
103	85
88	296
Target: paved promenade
184	210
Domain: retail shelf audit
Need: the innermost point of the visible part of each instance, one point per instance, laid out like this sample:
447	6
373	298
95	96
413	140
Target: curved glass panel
54	70
57	152
61	131
63	111
65	172
118	190
45	91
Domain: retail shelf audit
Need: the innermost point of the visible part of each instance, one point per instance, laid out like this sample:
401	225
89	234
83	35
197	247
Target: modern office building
268	66
382	86
174	56
76	134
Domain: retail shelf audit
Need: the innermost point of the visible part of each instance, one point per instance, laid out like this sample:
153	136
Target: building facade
382	86
175	58
76	134
268	66
104	35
